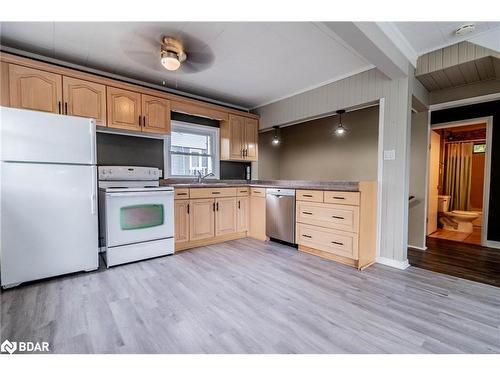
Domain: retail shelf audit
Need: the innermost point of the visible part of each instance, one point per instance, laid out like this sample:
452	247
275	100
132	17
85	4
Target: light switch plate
389	154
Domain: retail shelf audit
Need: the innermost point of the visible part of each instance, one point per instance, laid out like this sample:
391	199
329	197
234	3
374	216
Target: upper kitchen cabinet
239	138
251	139
84	99
35	89
124	109
155	114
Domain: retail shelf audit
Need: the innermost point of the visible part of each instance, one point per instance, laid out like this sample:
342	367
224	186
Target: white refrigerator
48	194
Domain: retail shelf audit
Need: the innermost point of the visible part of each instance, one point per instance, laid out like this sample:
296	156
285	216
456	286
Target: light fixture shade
276	139
170	61
340	130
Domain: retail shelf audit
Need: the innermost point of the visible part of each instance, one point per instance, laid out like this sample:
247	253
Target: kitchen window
193	148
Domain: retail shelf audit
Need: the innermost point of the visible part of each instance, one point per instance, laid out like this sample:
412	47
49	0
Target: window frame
187	127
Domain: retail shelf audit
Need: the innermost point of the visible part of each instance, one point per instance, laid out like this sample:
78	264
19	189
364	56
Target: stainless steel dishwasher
280	214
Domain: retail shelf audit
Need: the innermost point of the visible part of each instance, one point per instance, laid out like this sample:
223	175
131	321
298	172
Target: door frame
488	120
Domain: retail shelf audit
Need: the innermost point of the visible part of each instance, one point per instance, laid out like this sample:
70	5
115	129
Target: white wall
393	175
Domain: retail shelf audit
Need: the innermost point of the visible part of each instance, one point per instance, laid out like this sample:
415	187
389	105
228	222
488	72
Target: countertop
286	184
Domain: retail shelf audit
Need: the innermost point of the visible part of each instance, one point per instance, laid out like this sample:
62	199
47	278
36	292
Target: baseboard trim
401	265
417	247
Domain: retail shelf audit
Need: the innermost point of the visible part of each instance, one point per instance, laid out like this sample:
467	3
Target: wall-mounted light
276	138
340	130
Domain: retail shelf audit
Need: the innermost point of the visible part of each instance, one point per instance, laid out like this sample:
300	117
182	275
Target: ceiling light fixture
170	60
172	53
340	130
465	29
276	139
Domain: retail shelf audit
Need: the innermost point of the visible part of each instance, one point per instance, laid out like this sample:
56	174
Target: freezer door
48	220
46	137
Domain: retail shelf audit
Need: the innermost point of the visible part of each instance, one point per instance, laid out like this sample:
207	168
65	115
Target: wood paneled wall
353	91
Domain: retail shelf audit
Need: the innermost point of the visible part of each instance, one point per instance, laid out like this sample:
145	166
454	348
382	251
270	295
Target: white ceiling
428	36
254	63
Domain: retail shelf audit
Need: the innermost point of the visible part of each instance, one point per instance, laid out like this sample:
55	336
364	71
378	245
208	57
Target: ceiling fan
180	53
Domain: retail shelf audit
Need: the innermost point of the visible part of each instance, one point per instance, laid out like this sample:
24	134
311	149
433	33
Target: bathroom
457	165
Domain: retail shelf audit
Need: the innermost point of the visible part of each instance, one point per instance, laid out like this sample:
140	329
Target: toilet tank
443	203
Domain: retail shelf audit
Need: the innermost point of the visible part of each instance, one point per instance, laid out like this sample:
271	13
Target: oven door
133	217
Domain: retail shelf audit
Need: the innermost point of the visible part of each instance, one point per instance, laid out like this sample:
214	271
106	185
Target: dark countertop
286	184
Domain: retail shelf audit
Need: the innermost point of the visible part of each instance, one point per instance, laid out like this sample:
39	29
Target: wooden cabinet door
124	109
258	218
237	134
225	216
242	216
84	99
201	219
251	139
181	215
35	89
155	115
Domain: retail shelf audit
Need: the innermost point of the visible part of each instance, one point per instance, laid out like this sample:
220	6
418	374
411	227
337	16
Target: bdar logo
9	347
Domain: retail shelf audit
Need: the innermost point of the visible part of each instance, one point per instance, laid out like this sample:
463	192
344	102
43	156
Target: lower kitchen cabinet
181	215
258	213
201	219
225	216
242	214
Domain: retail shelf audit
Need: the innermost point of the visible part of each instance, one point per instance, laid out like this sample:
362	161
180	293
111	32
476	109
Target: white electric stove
136	215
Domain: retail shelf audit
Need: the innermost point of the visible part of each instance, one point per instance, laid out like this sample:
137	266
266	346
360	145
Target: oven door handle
141	194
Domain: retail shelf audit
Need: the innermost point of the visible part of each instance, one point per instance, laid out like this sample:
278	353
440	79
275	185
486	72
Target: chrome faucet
201	177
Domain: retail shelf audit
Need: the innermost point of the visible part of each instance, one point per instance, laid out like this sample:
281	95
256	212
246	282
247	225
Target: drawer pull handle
338	197
182	193
306	235
307	213
307	195
338	217
337	243
215	192
243	191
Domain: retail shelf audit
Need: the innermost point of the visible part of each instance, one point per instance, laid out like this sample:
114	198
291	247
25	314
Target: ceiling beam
380	43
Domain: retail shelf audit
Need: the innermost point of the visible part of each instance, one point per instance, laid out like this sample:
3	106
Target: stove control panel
120	173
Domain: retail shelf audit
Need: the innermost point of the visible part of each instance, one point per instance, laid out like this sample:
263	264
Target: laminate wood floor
246	296
472	262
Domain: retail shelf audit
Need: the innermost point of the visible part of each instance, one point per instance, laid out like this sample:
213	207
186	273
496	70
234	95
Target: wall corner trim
399	264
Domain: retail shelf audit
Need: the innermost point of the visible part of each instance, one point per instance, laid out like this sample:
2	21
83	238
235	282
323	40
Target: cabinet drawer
342	197
242	191
258	192
212	192
330	240
327	215
309	195
181	193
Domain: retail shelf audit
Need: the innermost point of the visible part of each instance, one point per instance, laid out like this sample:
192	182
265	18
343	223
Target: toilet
459	221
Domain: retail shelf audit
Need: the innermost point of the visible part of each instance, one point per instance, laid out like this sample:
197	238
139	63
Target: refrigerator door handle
93	194
93	152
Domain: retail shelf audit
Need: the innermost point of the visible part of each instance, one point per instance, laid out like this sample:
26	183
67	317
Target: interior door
225	216
155	114
124	109
181	215
201	219
84	99
432	211
35	89
236	126
251	134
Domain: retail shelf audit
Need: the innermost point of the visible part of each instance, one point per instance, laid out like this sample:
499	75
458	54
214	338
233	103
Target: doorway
458	177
